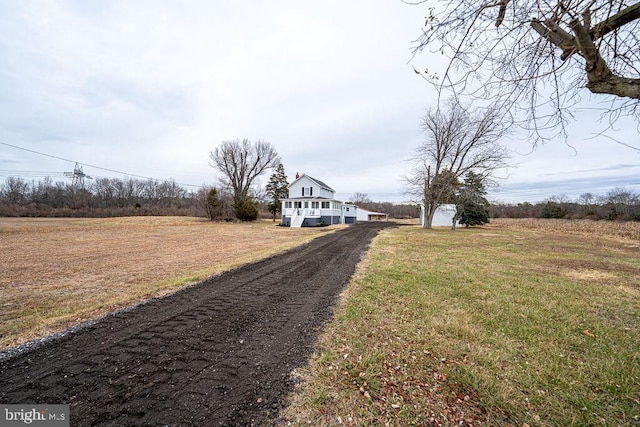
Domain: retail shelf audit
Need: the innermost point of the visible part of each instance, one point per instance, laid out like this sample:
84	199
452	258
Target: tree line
396	211
618	204
101	197
108	197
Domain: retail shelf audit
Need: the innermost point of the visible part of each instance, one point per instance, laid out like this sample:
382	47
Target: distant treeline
618	204
396	211
102	197
109	197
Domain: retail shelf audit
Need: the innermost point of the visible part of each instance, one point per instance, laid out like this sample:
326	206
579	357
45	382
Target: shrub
247	211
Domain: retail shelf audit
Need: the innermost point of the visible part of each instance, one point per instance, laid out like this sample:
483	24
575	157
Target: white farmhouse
311	202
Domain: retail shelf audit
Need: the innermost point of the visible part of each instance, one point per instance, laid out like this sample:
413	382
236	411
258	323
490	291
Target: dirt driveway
217	353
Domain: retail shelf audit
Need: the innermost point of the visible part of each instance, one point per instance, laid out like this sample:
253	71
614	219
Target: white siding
443	216
311	189
363	214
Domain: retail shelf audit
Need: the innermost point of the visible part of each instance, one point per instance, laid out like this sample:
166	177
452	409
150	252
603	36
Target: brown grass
621	229
59	272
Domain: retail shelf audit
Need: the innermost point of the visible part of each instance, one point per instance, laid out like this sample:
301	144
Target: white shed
443	216
367	215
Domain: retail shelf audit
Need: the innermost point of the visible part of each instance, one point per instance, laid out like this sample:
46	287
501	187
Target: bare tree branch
494	55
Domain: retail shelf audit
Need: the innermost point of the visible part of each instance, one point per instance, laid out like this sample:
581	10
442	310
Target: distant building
311	202
443	216
367	215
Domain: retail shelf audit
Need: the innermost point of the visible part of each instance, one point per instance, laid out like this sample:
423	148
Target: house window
325	205
287	205
306	205
297	205
315	205
307	191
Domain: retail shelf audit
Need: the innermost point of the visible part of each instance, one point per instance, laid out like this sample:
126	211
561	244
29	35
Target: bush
553	210
247	211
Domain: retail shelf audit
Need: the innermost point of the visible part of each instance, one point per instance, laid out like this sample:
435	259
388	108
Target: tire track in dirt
217	353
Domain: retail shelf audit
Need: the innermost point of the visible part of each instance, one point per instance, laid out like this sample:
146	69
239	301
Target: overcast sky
151	87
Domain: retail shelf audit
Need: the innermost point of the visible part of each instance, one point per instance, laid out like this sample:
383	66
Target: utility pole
78	177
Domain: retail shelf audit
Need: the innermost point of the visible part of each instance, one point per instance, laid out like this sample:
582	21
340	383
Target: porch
310	217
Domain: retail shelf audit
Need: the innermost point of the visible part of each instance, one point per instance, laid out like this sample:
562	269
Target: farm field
55	273
518	323
220	352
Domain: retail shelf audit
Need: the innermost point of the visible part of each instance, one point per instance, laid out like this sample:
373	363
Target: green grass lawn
482	326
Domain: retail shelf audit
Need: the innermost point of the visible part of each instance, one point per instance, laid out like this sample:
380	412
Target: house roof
309	198
317	181
368	212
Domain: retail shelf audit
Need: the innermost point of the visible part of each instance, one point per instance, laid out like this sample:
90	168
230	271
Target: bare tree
622	201
240	163
535	57
586	201
456	142
360	199
14	191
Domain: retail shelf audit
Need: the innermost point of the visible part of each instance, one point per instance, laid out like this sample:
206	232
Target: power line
93	166
27	173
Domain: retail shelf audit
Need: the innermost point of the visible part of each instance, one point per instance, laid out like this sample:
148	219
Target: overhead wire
13	172
91	166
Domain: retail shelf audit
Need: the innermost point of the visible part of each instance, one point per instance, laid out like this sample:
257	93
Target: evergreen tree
247	211
471	203
214	205
277	189
553	209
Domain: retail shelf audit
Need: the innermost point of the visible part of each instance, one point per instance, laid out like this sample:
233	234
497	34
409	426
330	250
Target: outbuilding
367	215
443	216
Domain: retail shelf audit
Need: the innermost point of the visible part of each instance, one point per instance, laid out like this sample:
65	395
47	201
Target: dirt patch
217	353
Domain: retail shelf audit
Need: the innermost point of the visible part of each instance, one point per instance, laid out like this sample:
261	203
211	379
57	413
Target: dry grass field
616	229
55	273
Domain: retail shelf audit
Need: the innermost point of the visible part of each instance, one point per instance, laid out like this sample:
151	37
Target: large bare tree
536	58
240	162
456	142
